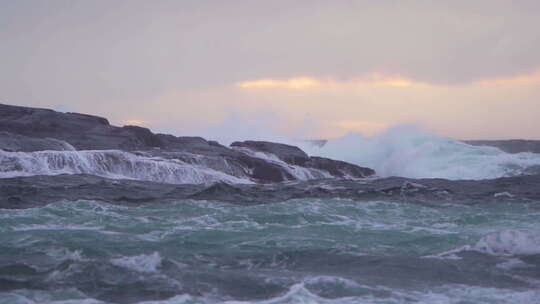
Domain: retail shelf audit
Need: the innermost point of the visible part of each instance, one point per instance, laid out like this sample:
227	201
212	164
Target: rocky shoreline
131	164
31	130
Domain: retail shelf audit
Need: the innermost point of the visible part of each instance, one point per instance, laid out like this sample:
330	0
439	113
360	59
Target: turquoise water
299	251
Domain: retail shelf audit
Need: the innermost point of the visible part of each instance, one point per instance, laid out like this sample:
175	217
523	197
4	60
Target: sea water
298	251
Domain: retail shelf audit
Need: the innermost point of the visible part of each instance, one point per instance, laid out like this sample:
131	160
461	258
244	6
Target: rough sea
300	251
297	251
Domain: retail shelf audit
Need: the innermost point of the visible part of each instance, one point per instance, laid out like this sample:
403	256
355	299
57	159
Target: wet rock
289	154
31	129
20	143
339	168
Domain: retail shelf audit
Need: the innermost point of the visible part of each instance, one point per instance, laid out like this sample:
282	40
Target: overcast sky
302	69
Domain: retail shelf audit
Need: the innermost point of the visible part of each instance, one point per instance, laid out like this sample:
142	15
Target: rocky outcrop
338	168
87	132
289	154
21	143
24	129
295	156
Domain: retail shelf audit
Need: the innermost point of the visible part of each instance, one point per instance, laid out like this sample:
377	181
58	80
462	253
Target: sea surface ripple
298	251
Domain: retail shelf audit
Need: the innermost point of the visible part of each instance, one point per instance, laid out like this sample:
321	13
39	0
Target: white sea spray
111	164
409	152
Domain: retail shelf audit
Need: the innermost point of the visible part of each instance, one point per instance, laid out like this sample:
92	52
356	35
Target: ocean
308	250
299	251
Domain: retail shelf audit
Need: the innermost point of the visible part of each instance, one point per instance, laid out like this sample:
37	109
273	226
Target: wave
176	168
140	263
300	294
503	243
408	152
110	164
211	252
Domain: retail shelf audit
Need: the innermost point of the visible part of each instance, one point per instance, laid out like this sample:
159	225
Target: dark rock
194	144
20	143
29	129
294	156
87	132
289	154
339	168
84	132
264	172
145	136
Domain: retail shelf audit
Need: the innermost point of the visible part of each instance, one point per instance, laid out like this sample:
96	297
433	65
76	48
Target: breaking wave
110	164
408	152
140	263
504	243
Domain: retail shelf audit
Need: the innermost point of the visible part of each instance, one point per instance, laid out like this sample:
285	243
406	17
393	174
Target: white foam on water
299	294
409	152
502	243
140	263
111	164
59	296
509	242
63	254
513	263
326	280
180	299
477	295
42	227
450	294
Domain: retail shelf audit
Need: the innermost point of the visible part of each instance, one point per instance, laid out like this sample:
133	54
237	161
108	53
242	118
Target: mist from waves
407	151
299	251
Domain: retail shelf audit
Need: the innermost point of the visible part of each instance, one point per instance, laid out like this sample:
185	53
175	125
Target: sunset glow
375	80
307	69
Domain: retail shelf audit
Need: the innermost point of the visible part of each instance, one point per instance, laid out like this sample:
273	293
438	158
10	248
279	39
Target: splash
110	164
409	152
140	263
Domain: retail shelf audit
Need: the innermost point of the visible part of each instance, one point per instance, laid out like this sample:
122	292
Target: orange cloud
292	83
524	79
375	80
134	122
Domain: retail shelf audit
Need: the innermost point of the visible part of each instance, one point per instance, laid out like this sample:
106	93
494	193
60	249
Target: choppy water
301	251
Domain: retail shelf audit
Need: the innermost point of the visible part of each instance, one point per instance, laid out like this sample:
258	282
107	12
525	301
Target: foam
140	263
409	152
111	164
509	242
503	243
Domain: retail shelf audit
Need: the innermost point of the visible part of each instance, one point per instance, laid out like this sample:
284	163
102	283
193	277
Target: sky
297	69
